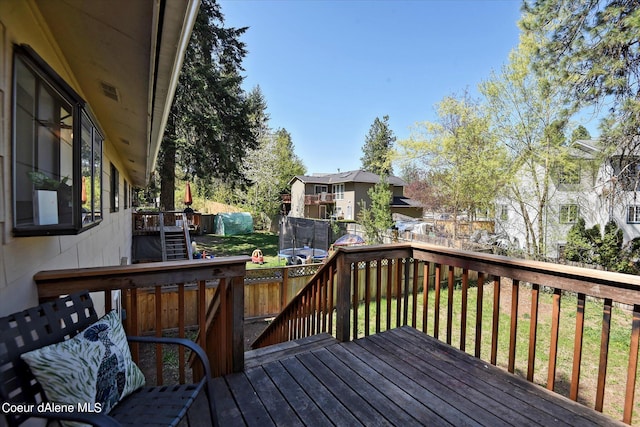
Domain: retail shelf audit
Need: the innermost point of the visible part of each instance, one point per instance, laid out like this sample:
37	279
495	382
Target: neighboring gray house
595	189
339	195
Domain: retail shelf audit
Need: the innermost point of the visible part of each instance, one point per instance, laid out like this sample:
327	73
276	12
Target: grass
242	245
618	345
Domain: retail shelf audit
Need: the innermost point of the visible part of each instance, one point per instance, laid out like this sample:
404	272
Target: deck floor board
399	377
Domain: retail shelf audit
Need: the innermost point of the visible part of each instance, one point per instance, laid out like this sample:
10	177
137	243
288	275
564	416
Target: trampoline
302	255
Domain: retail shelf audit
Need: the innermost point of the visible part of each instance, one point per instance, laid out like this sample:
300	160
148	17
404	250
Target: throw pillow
95	366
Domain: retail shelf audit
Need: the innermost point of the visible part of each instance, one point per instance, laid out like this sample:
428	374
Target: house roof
405	202
126	57
344	177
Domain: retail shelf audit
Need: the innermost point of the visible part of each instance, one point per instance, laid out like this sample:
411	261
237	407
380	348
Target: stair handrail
320	283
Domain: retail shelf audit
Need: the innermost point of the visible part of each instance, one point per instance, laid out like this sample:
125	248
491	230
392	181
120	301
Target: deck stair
253	358
175	242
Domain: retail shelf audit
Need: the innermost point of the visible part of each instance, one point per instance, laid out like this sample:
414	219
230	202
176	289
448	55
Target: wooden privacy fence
192	281
540	327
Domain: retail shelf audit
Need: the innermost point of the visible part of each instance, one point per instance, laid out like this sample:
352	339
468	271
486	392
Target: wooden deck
399	377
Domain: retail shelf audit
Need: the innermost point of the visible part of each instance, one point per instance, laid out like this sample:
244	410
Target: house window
319	189
57	153
126	194
568	214
503	212
569	174
633	214
338	191
115	189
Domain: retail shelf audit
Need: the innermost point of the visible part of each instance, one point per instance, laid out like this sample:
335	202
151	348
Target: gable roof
344	177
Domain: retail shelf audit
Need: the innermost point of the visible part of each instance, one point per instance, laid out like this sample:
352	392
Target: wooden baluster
577	348
356	296
496	319
158	326
553	347
378	293
463	311
135	327
479	300
406	281
450	286
425	292
181	325
398	291
367	297
604	352
633	366
533	331
513	332
414	312
389	291
202	312
323	300
436	302
330	298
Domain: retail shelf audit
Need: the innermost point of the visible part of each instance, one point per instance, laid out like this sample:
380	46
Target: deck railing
363	290
197	282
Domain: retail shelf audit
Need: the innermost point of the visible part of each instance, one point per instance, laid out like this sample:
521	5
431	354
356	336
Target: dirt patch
170	358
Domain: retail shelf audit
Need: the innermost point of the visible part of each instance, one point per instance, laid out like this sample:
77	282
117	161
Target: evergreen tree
377	148
376	219
209	129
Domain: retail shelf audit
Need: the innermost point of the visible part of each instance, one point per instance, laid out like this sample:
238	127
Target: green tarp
230	224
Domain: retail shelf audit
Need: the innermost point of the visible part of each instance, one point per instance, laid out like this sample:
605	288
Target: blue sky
328	68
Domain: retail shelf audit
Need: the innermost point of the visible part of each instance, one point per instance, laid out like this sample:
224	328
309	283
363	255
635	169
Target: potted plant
52	199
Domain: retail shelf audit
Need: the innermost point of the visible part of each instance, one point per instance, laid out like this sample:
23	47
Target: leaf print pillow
95	366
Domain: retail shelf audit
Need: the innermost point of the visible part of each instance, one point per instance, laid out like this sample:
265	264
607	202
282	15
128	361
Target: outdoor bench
23	397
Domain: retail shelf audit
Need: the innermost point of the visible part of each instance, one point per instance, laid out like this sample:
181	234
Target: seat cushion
94	367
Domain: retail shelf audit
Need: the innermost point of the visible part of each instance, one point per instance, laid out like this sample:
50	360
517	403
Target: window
568	214
569	174
115	189
338	191
319	189
503	212
126	194
57	153
633	214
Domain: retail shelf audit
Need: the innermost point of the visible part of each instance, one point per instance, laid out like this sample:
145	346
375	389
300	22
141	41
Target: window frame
115	188
338	191
636	214
48	83
566	218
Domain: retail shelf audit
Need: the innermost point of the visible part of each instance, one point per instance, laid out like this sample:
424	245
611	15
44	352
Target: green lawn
243	244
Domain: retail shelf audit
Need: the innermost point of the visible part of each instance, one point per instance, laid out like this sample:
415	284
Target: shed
230	224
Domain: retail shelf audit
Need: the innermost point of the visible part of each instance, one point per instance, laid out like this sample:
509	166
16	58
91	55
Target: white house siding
22	257
593	206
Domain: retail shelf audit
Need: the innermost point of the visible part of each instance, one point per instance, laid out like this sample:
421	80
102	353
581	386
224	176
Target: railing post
343	297
237	323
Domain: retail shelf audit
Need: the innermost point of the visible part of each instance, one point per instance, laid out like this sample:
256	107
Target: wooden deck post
343	295
237	324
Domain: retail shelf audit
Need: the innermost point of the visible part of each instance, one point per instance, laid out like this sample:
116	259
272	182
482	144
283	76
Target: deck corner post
237	323
343	298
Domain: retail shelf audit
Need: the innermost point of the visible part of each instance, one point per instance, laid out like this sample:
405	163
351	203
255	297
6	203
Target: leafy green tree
591	48
208	130
376	219
466	161
270	167
528	116
377	148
